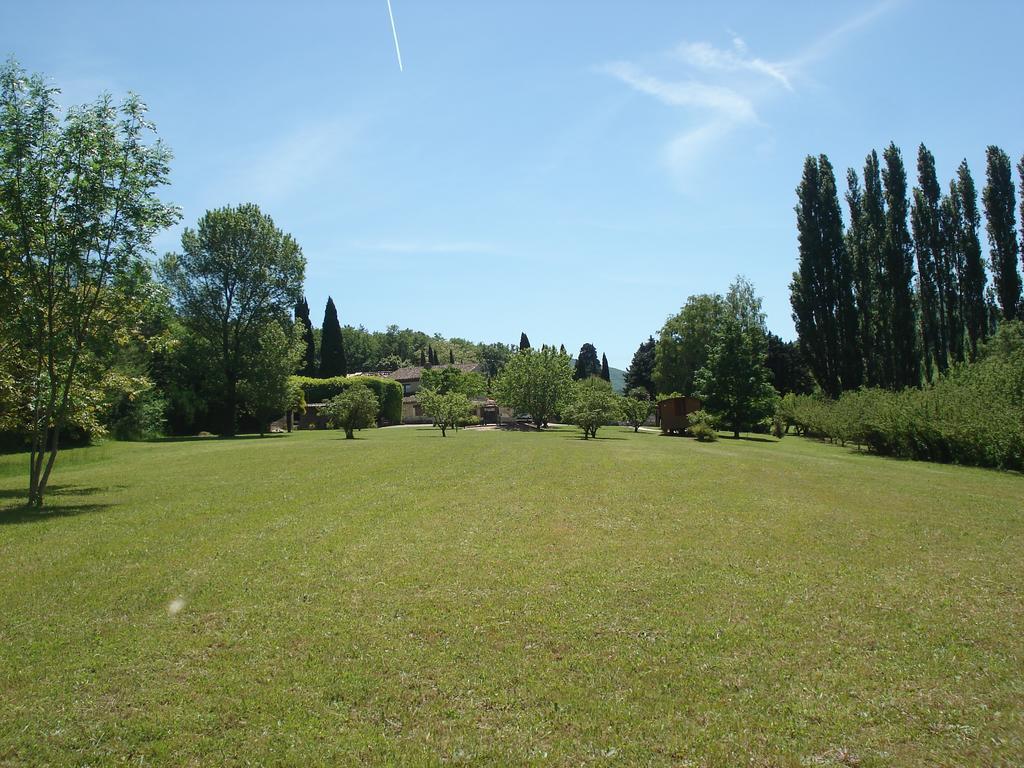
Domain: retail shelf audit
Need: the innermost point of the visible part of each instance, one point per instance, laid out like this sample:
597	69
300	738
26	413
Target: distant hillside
618	378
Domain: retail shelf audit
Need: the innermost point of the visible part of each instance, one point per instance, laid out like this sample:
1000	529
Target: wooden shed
672	413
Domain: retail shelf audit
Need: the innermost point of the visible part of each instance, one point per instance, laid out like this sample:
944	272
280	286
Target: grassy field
509	598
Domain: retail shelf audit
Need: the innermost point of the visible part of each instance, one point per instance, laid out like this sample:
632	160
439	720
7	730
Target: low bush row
973	415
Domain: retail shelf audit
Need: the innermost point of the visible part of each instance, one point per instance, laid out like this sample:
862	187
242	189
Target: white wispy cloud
721	88
707	58
687	93
288	164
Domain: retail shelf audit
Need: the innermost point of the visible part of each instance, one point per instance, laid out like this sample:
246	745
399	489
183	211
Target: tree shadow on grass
750	438
52	506
194	438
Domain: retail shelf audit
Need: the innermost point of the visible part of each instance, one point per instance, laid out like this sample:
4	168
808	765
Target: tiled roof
415	373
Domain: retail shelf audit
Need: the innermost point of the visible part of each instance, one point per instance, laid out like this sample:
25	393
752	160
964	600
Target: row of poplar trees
864	315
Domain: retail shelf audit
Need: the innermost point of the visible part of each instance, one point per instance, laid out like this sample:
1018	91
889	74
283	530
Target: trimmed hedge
389	392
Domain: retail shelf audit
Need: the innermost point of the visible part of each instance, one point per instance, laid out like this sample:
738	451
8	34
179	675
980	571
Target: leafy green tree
78	211
640	372
789	370
309	366
965	223
873	299
636	406
1000	222
735	383
451	357
587	364
535	383
492	358
266	388
447	409
332	344
236	272
821	292
452	379
589	404
355	408
605	372
904	363
684	343
932	271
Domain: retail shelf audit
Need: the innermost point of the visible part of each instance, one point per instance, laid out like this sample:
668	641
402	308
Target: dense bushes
387	391
972	415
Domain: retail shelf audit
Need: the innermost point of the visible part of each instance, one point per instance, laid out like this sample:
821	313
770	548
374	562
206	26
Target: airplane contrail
394	32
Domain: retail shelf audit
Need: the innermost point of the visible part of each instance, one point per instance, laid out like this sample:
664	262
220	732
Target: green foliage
703	426
354	408
1000	223
387	391
78	211
636	406
332	344
452	379
236	272
734	384
448	409
267	388
534	382
821	291
309	360
640	372
787	365
974	414
685	342
590	404
587	364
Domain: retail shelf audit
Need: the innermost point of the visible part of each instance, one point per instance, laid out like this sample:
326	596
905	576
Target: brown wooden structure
672	413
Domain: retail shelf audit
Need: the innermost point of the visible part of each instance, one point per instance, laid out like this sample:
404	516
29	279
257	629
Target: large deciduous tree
1000	222
236	272
735	384
266	388
684	342
932	285
78	211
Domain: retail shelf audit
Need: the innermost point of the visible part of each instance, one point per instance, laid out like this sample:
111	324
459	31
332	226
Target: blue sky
571	169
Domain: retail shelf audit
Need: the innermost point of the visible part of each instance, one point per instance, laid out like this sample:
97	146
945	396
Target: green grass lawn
509	598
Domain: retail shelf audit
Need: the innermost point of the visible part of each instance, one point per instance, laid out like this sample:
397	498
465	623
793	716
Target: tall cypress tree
640	372
899	273
880	320
858	243
1001	225
848	354
605	373
932	273
524	341
587	364
451	356
821	292
950	283
309	356
966	227
332	345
